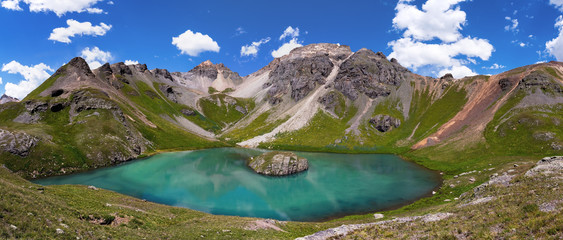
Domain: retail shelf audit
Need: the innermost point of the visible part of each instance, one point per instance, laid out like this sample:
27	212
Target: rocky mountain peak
334	51
76	65
6	99
206	63
369	73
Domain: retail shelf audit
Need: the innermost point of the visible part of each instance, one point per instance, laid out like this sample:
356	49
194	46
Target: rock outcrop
278	164
300	76
541	80
368	73
383	123
18	143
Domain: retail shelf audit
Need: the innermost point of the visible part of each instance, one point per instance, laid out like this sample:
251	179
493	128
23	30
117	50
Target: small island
278	164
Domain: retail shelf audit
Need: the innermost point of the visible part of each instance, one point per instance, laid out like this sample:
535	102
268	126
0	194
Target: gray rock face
170	93
540	80
383	123
162	73
278	164
32	113
18	143
368	73
300	75
505	84
205	69
330	101
78	65
85	100
121	69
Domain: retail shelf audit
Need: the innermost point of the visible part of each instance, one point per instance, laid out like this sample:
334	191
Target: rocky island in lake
278	164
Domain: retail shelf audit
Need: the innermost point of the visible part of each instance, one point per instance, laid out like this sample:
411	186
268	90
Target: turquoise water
217	181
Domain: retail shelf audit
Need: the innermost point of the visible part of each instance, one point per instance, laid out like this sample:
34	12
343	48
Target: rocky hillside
320	97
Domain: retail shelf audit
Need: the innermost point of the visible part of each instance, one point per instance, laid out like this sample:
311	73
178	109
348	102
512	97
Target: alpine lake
217	181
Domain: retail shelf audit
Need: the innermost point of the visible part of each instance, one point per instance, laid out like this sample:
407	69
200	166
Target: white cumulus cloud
555	46
12	5
59	7
253	48
78	28
437	19
33	77
95	57
432	40
293	43
286	48
0	80
131	62
193	44
290	32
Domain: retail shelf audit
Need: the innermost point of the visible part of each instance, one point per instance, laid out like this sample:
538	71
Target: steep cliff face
369	73
298	73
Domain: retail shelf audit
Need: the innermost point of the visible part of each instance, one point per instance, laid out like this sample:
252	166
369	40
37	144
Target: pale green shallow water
217	181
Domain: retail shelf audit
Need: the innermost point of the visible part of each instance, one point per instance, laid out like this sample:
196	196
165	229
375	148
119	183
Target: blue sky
430	37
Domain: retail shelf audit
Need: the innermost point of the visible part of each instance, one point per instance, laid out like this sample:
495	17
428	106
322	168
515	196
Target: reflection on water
217	181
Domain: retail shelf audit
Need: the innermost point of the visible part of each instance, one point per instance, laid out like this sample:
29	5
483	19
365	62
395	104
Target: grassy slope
259	126
514	212
223	113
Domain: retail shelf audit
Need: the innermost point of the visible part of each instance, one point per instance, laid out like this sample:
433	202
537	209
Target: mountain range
320	97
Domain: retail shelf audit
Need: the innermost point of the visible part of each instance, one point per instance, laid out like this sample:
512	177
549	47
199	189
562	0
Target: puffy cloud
290	32
59	7
252	49
95	57
33	75
0	80
555	46
77	28
557	3
286	48
12	5
513	26
131	62
415	54
437	19
458	71
432	39
193	44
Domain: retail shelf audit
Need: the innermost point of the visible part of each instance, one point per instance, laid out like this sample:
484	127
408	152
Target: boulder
383	123
188	112
18	143
278	163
